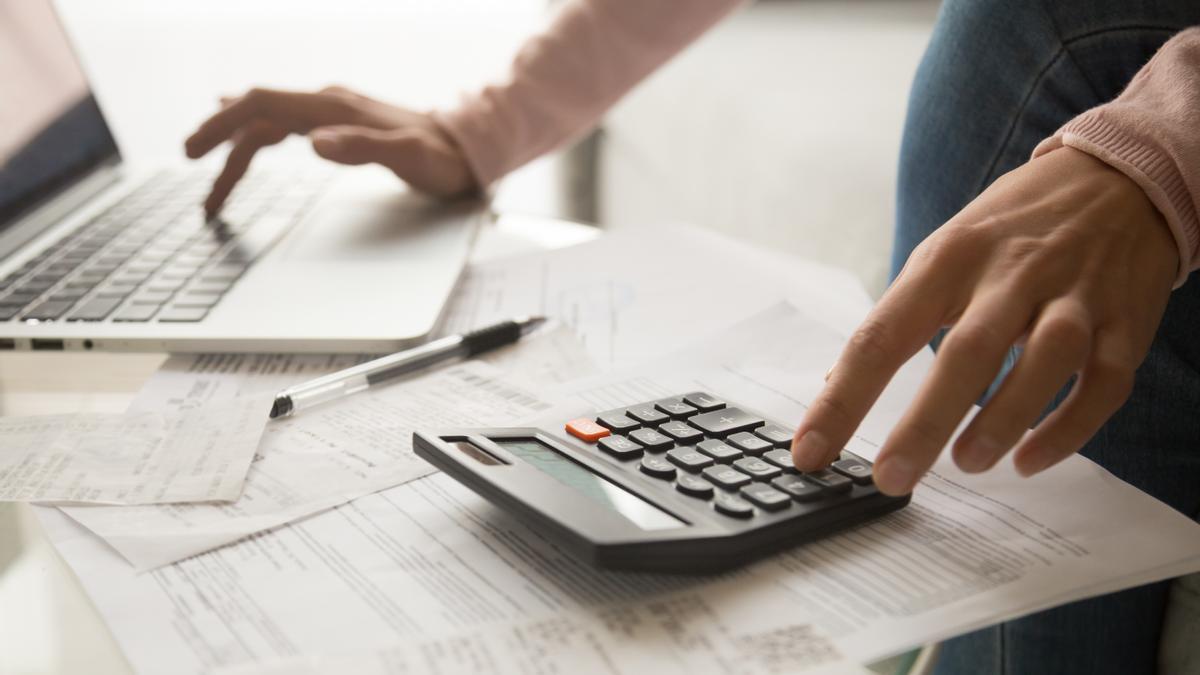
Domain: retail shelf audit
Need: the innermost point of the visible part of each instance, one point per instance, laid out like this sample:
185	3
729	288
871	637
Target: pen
362	376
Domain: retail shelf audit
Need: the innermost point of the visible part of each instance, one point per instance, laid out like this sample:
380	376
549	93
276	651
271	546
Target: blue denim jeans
997	78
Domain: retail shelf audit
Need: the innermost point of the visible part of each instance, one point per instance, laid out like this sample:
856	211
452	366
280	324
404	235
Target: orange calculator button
587	430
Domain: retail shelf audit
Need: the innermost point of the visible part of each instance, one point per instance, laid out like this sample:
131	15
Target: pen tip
281	406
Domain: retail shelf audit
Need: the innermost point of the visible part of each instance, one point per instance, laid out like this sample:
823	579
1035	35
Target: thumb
358	145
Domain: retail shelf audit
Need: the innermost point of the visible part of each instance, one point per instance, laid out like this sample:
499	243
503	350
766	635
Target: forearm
1151	133
564	79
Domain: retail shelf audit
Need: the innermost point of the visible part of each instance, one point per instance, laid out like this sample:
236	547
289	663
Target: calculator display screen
597	488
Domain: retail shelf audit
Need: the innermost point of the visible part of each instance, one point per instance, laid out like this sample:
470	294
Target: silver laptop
96	256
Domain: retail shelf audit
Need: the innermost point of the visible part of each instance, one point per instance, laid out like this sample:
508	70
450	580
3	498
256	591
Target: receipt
197	455
328	455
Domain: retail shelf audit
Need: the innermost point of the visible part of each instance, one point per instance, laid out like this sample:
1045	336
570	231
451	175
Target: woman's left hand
1064	255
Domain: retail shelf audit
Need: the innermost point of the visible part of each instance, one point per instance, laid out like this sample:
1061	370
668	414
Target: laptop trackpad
365	222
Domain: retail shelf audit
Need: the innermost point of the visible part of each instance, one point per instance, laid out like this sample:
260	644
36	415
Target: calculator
689	483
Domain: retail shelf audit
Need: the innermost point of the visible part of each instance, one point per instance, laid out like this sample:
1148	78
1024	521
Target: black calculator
688	483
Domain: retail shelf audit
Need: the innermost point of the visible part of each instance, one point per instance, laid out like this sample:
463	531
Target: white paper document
199	455
316	459
429	560
635	294
724	628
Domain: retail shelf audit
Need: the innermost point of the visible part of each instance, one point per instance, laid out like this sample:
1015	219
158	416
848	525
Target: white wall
782	125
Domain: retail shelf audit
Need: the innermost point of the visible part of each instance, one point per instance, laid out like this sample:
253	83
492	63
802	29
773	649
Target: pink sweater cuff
1151	133
1146	166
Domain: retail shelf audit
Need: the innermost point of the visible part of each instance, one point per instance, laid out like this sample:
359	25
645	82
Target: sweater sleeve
1151	133
565	78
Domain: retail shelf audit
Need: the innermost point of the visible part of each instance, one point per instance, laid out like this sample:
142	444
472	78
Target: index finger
297	112
905	319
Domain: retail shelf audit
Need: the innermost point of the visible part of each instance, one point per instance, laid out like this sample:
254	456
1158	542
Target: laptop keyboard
152	256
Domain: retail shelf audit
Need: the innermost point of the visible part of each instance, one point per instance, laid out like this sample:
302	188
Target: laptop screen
51	130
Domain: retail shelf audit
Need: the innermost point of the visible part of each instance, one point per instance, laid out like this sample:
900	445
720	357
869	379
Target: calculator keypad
712	451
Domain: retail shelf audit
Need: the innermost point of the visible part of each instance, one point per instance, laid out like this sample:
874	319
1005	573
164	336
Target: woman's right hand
344	127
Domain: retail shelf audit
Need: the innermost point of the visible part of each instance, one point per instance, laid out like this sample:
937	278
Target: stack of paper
350	567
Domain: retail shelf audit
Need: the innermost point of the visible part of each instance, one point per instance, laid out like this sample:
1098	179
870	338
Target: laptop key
9	311
196	300
49	310
183	314
95	309
136	313
155	298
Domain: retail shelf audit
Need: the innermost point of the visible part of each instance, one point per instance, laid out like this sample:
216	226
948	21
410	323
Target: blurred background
781	125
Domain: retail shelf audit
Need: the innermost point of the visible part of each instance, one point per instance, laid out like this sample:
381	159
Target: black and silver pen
363	376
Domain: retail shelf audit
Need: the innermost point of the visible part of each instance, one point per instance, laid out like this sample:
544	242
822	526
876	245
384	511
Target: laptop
95	255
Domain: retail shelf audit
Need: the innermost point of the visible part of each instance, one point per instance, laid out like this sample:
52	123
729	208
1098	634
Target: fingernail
895	475
976	455
811	450
327	138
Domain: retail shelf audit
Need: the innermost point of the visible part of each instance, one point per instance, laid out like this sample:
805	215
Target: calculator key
748	443
687	458
753	466
726	421
853	468
658	467
766	496
799	487
681	431
718	450
694	486
703	402
646	414
781	459
726	477
586	430
620	447
775	435
650	439
832	481
732	505
617	422
675	408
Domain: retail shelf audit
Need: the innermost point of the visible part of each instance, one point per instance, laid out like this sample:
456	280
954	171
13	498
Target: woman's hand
1064	255
345	127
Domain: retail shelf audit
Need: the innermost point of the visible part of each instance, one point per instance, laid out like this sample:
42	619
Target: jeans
998	77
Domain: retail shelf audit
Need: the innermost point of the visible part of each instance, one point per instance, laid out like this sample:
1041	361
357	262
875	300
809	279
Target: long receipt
321	457
199	455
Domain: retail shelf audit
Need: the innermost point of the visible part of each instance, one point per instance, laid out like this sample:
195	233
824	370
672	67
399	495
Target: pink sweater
595	51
